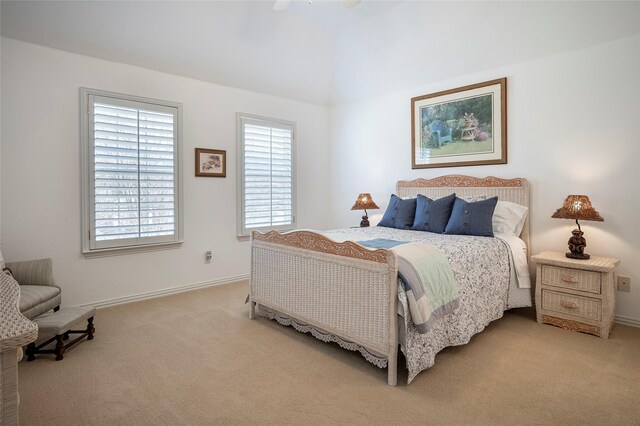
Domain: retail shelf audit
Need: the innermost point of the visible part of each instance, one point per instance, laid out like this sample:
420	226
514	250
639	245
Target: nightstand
577	295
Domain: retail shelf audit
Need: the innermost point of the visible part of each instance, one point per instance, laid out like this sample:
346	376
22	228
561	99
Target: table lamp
577	207
364	202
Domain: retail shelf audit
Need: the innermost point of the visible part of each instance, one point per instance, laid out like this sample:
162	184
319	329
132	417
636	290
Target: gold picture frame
466	126
211	162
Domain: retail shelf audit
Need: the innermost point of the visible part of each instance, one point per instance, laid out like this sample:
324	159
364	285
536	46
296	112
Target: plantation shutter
267	176
133	172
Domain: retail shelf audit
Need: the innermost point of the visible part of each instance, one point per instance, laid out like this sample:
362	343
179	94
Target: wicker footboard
340	288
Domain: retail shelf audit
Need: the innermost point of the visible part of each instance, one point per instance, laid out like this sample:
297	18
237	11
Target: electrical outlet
624	283
207	256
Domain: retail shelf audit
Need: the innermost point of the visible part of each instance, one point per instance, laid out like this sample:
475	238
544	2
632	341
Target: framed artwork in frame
466	126
211	162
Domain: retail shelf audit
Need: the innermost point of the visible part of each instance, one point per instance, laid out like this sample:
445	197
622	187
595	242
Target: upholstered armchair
38	291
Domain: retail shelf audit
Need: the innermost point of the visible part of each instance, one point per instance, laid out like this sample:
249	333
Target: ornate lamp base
365	221
577	243
583	256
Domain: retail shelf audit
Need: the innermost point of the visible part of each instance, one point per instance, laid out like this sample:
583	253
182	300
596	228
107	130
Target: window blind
267	175
134	173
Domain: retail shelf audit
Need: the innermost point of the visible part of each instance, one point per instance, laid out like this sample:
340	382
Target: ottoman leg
31	349
59	350
90	329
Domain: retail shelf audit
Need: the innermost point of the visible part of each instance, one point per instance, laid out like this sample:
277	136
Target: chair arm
33	272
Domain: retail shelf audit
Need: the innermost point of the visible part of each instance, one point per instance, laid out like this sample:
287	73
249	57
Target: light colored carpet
196	358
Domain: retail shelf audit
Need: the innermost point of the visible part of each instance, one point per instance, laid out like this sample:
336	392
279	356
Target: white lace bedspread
481	269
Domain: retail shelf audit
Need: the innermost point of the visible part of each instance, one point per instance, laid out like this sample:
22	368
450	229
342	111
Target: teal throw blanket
427	278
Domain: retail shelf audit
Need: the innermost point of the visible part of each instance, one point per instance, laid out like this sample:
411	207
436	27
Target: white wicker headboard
515	190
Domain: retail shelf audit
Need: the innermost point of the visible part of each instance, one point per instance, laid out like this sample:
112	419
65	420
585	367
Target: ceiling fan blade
349	4
281	4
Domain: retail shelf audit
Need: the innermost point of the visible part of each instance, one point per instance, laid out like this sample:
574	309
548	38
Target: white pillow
467	198
509	218
474	198
1	261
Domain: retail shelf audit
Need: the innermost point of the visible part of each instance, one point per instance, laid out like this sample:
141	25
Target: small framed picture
211	162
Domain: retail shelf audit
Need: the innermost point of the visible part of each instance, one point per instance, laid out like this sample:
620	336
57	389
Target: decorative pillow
433	215
472	218
400	213
509	218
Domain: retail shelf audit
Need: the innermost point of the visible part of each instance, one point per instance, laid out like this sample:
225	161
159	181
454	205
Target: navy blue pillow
400	213
433	215
472	218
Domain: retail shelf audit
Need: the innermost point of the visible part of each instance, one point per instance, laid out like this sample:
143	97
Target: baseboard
634	322
166	292
229	280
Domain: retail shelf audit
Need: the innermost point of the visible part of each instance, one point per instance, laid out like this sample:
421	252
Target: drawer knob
568	278
569	304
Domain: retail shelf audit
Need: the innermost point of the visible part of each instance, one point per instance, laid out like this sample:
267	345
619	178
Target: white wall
40	171
419	42
572	128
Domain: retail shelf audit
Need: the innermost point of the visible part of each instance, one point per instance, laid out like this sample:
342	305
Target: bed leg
392	378
252	309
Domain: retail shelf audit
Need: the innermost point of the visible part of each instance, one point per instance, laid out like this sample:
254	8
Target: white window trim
242	233
86	151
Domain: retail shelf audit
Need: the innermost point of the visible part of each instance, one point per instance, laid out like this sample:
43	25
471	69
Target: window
131	173
266	168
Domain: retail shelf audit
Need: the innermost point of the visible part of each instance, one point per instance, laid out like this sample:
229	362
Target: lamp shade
364	202
577	207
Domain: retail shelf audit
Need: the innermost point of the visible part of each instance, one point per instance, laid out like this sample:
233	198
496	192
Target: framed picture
211	162
466	126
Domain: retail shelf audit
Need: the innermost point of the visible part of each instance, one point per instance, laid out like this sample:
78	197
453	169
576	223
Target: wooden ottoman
58	324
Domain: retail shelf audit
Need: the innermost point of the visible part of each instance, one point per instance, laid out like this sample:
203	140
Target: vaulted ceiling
321	52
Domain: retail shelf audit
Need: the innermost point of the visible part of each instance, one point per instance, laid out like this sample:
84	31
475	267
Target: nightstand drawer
574	279
579	306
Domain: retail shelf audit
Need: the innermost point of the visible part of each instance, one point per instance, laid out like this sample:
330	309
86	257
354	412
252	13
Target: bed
329	285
